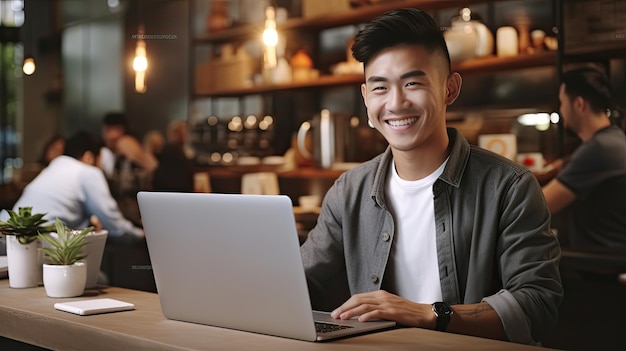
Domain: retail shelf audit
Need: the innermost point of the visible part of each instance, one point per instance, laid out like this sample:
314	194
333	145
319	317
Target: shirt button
374	279
386	236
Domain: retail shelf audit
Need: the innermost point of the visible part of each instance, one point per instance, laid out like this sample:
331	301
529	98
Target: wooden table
28	315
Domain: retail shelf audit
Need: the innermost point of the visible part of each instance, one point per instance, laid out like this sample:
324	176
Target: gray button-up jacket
493	239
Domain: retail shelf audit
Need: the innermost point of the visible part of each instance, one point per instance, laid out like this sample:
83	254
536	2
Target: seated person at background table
73	189
175	171
126	164
130	162
592	184
432	224
153	142
178	135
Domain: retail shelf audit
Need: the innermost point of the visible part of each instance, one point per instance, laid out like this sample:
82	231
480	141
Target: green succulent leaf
25	225
66	248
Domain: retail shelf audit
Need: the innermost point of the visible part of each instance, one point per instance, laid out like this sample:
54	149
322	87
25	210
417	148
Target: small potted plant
24	259
64	273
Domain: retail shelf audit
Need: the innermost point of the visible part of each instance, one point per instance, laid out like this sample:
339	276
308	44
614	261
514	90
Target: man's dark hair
115	119
401	26
590	84
81	142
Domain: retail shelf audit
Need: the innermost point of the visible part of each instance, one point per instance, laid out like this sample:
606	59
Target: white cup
537	36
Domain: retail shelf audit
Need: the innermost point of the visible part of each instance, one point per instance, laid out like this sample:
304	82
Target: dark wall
41	109
97	53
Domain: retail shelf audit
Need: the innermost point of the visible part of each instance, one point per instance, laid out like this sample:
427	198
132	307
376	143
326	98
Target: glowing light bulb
270	38
270	35
29	66
140	62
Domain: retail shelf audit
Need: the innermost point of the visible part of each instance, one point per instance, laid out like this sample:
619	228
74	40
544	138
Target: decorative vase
93	251
64	281
24	263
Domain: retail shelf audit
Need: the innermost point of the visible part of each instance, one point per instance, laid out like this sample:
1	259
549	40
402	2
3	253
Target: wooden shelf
321	82
493	63
354	16
311	173
482	65
488	64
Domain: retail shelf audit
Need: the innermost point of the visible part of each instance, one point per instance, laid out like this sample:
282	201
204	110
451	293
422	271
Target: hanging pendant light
28	66
140	63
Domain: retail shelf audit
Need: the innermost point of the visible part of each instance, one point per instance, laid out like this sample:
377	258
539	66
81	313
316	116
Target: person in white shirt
74	190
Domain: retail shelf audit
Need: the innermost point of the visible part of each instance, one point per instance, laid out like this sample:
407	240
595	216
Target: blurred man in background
592	184
74	190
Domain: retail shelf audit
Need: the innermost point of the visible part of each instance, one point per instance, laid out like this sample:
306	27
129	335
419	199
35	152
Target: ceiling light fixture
28	67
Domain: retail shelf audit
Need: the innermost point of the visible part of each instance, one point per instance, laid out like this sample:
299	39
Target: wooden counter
28	315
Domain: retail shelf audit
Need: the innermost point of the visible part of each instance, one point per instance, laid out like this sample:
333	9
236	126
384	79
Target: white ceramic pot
93	252
64	281
468	40
24	263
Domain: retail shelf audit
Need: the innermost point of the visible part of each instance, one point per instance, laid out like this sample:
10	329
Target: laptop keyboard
322	327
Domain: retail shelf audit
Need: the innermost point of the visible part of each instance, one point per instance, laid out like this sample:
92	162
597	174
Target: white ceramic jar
468	38
64	281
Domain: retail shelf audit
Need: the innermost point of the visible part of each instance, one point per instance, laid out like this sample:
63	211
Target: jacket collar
459	156
452	174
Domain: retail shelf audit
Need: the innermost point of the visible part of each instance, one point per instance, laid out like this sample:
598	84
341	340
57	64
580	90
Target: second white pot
24	263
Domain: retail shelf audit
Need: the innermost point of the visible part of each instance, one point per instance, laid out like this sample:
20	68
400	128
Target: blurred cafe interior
270	97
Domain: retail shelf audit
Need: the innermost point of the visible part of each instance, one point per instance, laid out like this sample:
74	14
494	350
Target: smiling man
433	233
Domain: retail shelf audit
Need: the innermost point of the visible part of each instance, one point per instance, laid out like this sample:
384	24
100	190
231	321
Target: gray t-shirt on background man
596	173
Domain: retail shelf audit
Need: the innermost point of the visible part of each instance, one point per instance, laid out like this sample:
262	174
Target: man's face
405	94
567	111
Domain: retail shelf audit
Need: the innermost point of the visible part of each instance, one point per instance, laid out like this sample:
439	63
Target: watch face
442	309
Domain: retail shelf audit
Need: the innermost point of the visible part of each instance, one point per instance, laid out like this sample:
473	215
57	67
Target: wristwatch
444	312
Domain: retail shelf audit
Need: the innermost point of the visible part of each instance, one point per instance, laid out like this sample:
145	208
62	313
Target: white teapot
468	38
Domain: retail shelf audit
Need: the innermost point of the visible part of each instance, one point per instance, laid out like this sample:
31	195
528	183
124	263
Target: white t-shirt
413	268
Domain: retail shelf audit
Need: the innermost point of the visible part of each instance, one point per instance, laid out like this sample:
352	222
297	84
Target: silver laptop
233	261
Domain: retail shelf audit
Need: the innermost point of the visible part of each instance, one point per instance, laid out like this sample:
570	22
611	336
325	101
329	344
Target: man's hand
95	222
383	305
477	319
